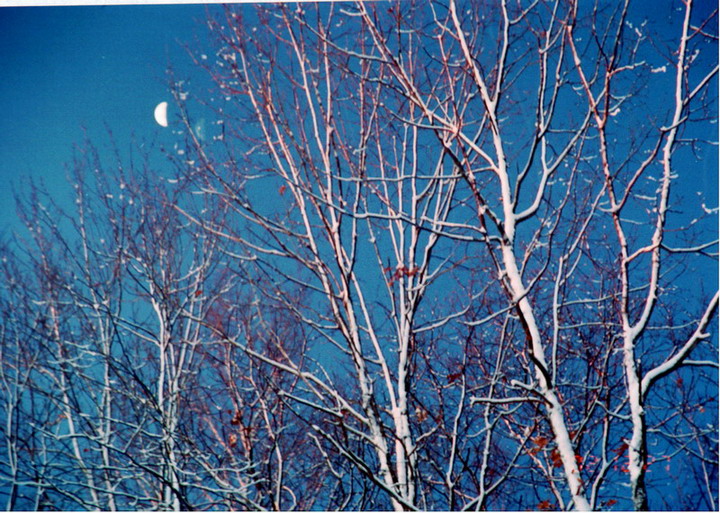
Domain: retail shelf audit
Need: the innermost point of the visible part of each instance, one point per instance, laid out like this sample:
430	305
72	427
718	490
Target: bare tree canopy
426	256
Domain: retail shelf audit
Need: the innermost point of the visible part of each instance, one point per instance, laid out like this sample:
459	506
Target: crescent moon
161	114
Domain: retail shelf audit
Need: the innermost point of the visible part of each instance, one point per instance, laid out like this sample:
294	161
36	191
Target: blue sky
69	68
100	68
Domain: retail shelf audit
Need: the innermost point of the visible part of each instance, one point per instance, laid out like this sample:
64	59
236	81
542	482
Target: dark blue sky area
103	67
65	68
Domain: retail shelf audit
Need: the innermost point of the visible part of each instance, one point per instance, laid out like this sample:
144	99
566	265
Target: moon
161	114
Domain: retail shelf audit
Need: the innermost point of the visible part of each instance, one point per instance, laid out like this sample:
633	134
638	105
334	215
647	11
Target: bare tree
110	314
460	145
426	256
